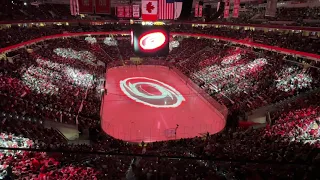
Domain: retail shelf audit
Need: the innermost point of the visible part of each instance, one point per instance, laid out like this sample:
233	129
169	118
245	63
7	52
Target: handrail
62	135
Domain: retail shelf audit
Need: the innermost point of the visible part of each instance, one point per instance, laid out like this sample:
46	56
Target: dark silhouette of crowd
19	10
289	40
58	80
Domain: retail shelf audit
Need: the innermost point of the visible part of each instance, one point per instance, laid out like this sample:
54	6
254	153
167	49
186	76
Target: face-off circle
151	92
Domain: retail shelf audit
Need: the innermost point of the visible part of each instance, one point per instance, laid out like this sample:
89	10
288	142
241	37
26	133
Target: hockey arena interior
159	89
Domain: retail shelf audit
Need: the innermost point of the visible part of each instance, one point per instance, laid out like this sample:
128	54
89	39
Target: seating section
296	41
54	82
18	34
240	78
58	80
299	120
289	40
17	10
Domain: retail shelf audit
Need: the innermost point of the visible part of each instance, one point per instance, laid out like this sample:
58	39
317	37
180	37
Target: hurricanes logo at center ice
151	92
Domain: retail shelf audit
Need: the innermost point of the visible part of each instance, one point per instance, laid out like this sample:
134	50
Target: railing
62	135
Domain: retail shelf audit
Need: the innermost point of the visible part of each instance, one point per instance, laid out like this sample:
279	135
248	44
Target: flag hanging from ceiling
85	6
127	11
236	6
102	6
271	8
200	10
74	7
166	9
120	11
196	10
149	10
136	11
226	8
177	8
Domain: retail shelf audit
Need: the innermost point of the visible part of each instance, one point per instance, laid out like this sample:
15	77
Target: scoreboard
150	40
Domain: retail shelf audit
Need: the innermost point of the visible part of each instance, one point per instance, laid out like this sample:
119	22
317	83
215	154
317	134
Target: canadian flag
149	10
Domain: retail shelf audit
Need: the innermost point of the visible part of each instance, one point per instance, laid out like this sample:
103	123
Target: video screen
150	40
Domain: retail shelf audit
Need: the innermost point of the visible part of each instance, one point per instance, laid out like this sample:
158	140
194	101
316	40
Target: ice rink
146	103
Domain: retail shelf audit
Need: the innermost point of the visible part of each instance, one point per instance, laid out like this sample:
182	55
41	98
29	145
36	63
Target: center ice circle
151	92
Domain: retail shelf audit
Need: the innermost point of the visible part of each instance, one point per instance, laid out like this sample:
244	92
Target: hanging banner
127	11
200	10
149	10
236	7
226	9
85	6
120	11
196	10
177	8
136	11
130	11
271	8
103	7
74	7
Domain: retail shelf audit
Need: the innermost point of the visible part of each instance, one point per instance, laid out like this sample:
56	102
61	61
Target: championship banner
74	7
103	7
149	10
85	6
271	8
136	11
127	12
196	10
130	11
226	9
200	10
120	11
236	7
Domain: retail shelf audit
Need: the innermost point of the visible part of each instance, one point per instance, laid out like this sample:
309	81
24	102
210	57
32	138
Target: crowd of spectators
289	39
299	120
241	78
63	78
19	10
57	80
18	34
232	155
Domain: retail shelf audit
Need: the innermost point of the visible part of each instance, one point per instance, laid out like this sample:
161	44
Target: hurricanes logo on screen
152	40
151	92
